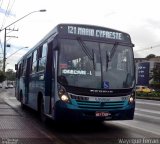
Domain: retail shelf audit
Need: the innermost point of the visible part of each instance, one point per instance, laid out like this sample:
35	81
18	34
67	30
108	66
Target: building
144	70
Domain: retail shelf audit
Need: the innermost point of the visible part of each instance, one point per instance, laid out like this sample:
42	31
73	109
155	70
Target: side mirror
16	67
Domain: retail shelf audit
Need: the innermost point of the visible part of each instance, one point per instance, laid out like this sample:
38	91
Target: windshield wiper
113	50
86	50
93	60
110	55
107	60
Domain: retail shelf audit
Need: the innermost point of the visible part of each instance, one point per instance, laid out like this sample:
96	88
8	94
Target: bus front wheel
21	100
41	110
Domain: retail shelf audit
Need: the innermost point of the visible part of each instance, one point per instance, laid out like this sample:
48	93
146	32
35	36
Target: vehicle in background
144	89
6	86
10	86
157	90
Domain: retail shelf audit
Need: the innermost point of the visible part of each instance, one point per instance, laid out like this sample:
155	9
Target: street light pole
4	55
42	10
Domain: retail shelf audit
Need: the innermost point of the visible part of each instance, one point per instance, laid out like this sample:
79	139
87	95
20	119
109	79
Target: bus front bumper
65	113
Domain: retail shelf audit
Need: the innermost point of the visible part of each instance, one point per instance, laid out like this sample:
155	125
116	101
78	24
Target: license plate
102	114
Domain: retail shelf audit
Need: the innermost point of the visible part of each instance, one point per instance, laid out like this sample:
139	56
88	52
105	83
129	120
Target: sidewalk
16	128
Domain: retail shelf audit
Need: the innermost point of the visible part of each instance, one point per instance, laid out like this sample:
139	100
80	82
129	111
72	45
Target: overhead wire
3	22
1	3
6	12
149	48
0	39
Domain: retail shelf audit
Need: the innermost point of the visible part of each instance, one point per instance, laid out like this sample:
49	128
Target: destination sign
94	32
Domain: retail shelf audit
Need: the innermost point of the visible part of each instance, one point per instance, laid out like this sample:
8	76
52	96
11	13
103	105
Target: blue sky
139	18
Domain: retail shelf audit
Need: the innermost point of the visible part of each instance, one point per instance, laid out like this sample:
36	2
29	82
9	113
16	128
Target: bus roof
87	31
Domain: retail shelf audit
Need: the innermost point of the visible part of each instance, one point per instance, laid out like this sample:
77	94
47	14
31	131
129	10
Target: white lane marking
148	103
147	116
136	124
147	110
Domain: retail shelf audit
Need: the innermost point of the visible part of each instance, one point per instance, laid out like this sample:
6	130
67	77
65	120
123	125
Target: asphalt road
17	125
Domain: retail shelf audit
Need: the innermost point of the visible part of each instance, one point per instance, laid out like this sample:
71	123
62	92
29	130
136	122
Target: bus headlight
132	98
64	98
63	95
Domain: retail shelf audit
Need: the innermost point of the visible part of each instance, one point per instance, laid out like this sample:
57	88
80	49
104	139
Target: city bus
79	72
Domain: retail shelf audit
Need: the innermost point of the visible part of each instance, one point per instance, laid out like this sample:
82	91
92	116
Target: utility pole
4	54
5	28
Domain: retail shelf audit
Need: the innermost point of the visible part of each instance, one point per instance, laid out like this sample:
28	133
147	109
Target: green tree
156	74
2	76
150	56
10	75
156	77
1	62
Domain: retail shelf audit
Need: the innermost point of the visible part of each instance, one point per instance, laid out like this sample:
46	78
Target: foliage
156	74
2	76
1	64
150	56
152	94
10	75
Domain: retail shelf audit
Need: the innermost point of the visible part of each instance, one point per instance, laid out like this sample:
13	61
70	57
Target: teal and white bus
80	72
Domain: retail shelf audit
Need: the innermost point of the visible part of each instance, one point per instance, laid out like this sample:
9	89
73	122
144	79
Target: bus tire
21	100
41	110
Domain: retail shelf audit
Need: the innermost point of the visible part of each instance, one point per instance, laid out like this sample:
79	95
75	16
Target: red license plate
102	114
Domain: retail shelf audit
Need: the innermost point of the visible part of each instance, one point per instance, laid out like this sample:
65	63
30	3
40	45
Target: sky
139	18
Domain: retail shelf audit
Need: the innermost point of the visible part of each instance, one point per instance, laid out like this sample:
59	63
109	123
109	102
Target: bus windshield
95	65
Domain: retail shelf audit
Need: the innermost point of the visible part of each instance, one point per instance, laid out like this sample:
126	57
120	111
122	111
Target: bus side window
39	55
19	71
42	57
28	69
34	62
25	66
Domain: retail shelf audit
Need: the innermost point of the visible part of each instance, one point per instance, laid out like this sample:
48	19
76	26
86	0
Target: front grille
84	103
100	105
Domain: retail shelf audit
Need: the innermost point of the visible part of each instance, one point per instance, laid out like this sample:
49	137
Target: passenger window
34	64
44	50
24	68
19	70
42	58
